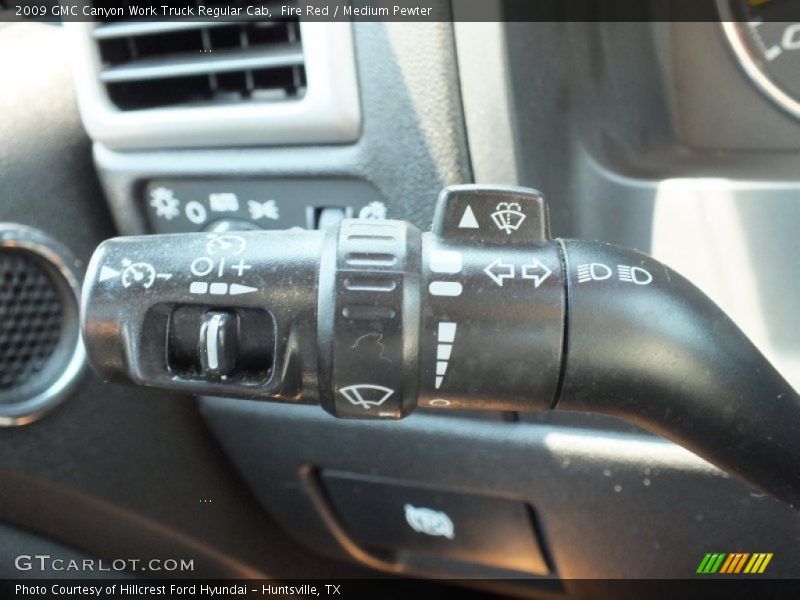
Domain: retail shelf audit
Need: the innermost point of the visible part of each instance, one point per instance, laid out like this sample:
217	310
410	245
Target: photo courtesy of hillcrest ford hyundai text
420	299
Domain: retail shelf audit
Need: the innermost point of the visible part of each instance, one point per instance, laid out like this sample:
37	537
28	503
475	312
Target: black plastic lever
644	344
373	318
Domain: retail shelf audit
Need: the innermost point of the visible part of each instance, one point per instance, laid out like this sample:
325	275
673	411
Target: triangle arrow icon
237	289
468	220
108	273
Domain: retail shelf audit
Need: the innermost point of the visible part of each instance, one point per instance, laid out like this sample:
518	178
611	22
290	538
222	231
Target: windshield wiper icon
508	216
366	394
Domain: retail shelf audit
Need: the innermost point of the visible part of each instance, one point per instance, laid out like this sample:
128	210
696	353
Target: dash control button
499	215
417	522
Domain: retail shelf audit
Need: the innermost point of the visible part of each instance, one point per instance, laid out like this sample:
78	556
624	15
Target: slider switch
217	344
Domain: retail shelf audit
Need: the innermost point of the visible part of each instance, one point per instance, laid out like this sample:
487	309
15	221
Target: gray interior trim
488	110
329	112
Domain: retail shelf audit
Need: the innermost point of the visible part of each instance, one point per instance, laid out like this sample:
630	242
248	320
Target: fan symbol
508	216
366	395
263	210
164	201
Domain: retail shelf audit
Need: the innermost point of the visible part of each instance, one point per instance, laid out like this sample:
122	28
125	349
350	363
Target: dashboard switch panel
190	205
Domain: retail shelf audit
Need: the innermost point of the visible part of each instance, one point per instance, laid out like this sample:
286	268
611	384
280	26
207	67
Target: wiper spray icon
508	216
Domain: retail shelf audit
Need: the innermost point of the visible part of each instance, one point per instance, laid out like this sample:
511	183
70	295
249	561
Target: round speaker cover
41	353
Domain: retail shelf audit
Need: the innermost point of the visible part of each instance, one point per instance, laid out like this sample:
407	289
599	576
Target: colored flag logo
734	563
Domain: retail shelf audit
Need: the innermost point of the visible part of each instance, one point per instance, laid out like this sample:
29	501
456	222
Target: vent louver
212	83
147	64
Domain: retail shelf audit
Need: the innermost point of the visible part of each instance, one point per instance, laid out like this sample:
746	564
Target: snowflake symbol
164	201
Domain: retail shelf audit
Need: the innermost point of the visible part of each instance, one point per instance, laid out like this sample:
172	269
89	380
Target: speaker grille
31	318
41	354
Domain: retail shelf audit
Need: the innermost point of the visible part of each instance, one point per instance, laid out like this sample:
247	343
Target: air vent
162	84
150	64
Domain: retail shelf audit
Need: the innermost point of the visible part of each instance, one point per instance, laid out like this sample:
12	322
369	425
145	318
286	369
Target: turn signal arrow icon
499	271
528	272
535	271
